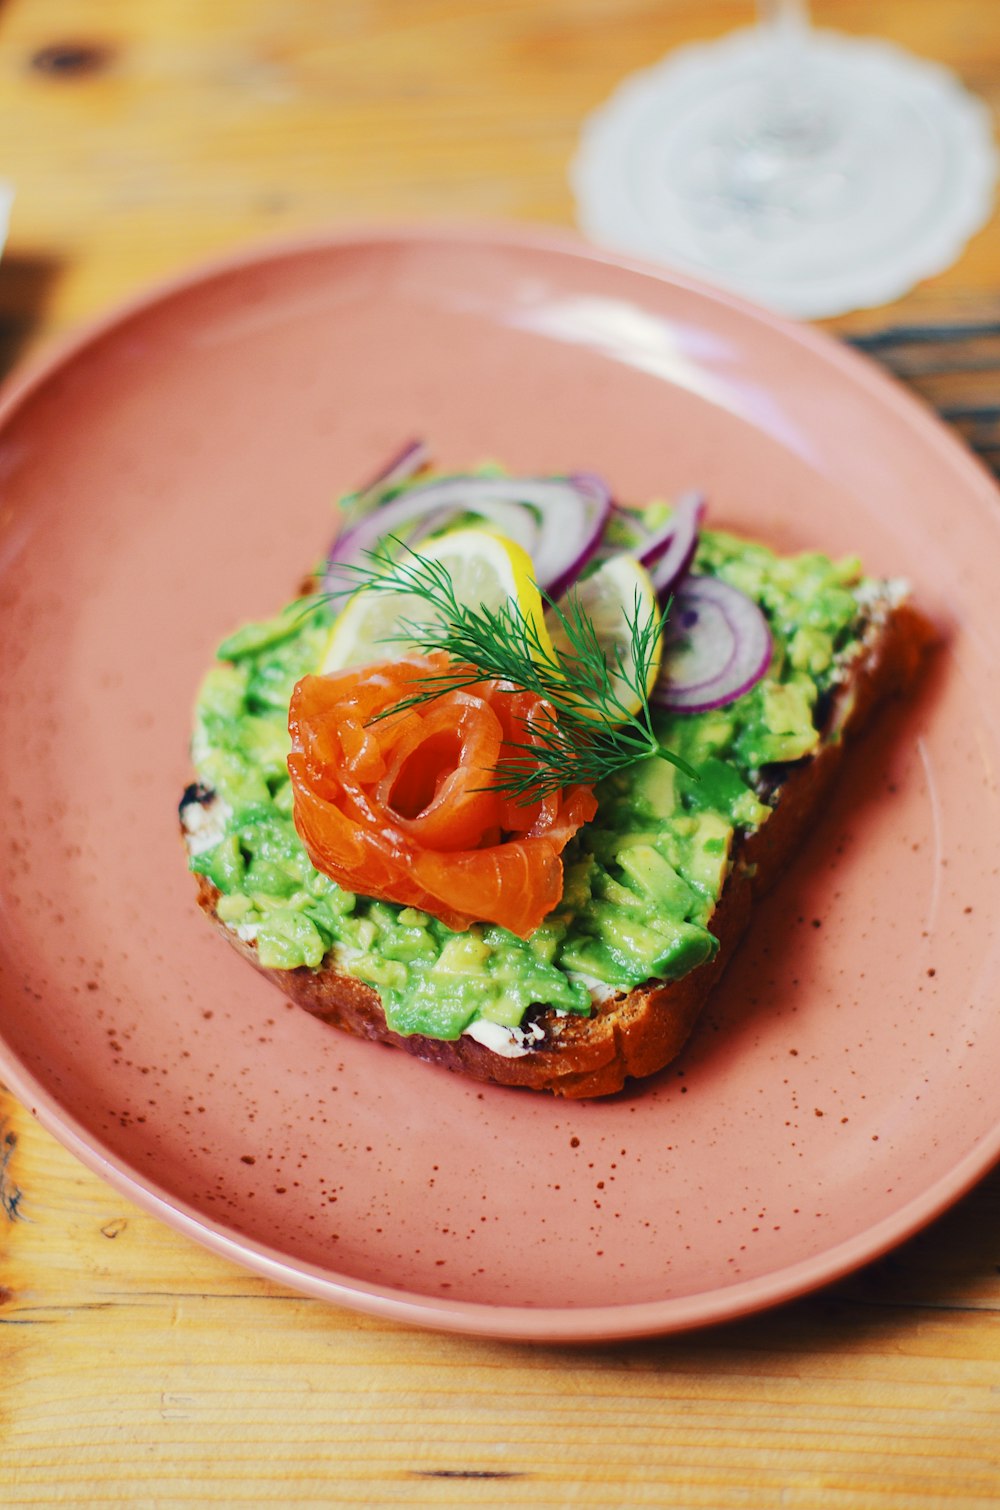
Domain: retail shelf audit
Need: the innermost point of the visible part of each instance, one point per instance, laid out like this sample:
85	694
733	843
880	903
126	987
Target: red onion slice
574	513
558	520
717	646
671	550
416	513
400	468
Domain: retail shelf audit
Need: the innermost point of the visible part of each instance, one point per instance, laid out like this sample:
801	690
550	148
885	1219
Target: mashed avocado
641	880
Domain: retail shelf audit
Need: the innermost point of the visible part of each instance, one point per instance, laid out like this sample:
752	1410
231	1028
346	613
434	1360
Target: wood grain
140	1370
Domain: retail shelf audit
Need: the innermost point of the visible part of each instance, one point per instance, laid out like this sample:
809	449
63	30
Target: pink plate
172	474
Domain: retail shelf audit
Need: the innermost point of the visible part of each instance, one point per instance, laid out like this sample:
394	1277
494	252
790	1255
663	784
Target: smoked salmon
405	807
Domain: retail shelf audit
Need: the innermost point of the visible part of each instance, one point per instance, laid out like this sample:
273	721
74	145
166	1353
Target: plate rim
513	1323
544	1325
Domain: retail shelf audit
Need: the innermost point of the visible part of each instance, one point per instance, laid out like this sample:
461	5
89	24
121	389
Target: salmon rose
405	808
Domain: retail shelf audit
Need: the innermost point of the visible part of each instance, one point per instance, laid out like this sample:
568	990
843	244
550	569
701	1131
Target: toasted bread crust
637	1034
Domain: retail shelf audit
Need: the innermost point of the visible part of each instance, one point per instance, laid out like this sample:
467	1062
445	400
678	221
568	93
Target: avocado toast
657	886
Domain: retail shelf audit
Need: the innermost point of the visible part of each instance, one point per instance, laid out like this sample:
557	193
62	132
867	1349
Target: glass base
816	180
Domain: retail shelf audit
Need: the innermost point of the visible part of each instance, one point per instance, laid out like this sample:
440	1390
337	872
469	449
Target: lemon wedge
617	593
486	570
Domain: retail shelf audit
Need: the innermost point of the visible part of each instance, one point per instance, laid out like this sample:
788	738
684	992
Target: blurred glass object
813	171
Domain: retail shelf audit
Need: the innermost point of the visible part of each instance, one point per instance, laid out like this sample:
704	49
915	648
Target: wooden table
140	1370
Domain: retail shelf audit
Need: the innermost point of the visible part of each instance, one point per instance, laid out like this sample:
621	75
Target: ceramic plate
170	475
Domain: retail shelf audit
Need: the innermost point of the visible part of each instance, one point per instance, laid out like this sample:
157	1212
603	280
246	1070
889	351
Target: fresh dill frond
602	721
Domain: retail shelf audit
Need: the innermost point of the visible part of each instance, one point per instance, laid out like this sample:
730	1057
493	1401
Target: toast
637	1032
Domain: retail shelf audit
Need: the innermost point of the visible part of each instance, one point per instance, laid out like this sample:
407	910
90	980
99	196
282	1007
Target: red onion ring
671	550
717	646
400	468
428	507
559	521
571	531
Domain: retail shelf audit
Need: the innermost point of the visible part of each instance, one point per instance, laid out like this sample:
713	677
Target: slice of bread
638	1033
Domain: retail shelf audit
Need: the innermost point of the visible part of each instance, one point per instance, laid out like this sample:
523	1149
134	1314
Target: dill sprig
603	720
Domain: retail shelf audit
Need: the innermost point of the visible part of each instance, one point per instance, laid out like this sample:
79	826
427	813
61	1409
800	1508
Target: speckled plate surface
172	474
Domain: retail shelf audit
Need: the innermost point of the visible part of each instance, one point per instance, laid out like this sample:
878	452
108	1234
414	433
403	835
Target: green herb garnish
595	731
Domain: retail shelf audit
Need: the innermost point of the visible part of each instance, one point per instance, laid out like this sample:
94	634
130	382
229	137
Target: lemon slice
619	592
486	570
